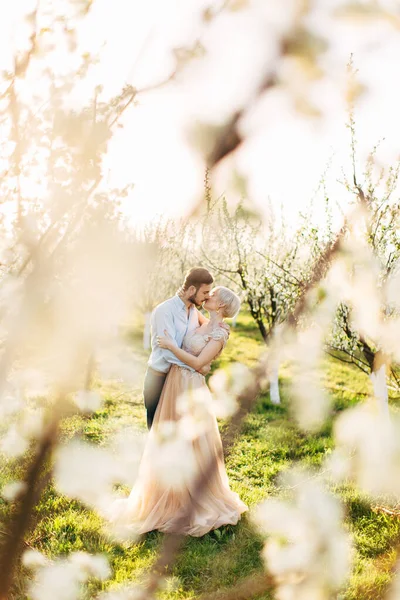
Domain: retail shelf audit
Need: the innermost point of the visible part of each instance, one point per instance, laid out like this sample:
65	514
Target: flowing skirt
174	503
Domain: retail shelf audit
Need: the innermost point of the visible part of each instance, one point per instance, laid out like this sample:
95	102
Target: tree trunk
254	310
379	383
274	384
258	319
378	362
262	329
146	332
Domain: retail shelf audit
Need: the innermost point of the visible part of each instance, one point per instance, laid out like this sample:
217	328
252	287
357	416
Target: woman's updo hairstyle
230	301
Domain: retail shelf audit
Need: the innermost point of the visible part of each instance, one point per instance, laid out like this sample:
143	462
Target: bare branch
280	267
20	523
353	360
252	586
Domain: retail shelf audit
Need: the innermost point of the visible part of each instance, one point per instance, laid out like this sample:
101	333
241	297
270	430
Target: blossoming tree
68	270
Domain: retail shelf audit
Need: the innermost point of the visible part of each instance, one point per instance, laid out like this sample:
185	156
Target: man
177	316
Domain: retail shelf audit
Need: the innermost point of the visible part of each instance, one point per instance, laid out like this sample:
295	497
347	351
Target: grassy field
269	444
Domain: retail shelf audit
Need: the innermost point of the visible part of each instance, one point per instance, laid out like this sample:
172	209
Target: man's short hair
197	277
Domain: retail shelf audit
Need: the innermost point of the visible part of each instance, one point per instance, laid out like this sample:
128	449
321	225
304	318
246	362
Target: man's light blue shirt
171	316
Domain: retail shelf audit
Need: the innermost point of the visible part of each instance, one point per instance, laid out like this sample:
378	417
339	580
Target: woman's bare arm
208	353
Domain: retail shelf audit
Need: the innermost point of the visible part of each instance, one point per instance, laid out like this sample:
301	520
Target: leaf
218	533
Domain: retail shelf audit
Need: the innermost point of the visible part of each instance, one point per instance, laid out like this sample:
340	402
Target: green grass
269	444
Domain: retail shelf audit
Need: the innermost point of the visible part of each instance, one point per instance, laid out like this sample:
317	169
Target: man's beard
193	300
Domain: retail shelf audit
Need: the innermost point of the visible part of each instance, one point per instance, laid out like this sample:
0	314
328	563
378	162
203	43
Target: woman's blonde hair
230	301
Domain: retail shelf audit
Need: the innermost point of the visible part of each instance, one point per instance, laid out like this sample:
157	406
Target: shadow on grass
220	558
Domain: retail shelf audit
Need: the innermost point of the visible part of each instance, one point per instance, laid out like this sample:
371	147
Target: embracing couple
184	343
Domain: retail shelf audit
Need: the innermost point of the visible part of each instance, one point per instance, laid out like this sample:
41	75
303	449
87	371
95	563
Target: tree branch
11	549
279	267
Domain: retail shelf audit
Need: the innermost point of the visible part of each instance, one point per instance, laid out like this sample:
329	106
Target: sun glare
137	44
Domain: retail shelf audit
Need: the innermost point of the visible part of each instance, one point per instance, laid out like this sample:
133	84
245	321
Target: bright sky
285	152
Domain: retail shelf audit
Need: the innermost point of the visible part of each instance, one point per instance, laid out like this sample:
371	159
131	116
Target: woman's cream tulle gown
155	503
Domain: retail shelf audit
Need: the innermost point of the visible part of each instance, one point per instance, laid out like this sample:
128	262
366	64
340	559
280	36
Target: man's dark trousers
152	388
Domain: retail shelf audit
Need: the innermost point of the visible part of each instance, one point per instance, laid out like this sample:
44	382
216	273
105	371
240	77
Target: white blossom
11	402
389	337
196	409
61	580
86	472
127	445
88	401
64	578
32	423
11	491
171	456
309	400
227	385
33	559
368	450
248	36
31	382
125	592
235	378
94	565
116	360
14	444
357	282
307	549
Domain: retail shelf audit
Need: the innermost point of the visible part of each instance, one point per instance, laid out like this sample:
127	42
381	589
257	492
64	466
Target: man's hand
205	370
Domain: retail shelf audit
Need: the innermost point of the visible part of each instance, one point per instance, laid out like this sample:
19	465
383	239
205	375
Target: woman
177	505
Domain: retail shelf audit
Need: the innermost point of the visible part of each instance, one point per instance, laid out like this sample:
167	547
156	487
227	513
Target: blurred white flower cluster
368	450
125	592
195	408
63	578
72	268
89	473
310	403
12	490
308	552
358	282
88	401
116	360
86	472
171	456
226	385
304	348
28	425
